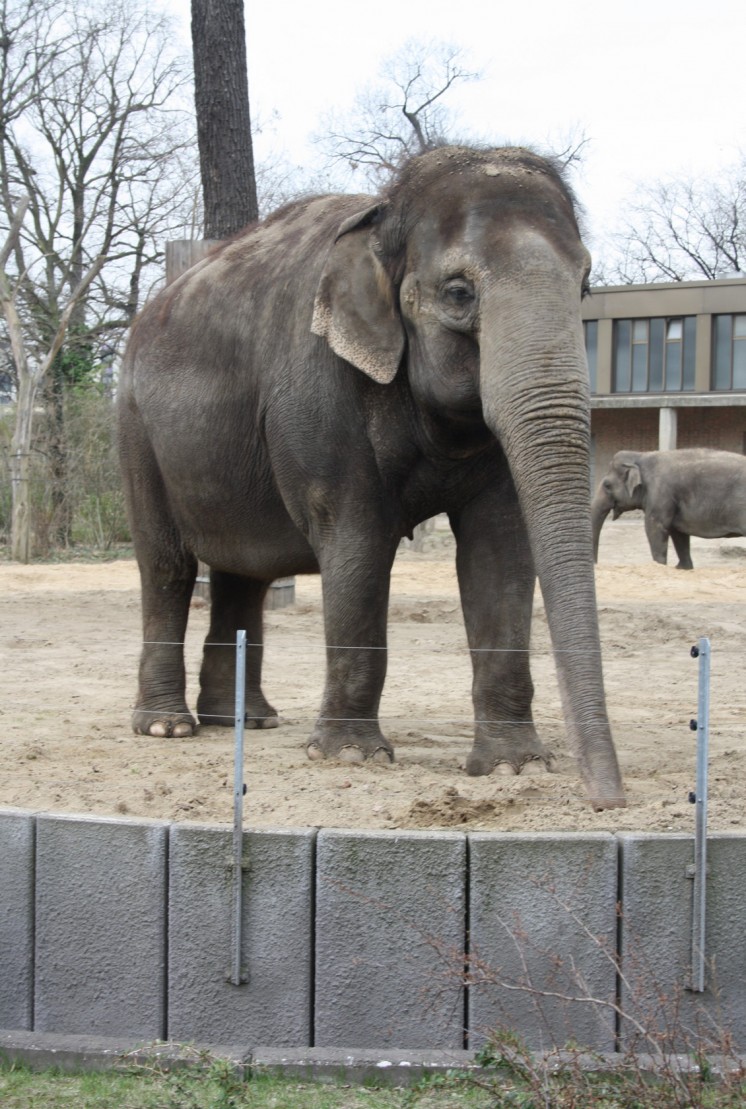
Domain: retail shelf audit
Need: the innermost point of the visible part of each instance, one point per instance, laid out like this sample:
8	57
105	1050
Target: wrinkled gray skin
303	398
682	493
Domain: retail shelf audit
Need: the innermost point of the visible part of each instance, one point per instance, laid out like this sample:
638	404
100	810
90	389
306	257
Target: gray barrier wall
364	939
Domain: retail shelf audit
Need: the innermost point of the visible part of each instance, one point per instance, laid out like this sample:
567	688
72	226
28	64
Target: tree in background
401	115
95	139
221	98
405	113
681	230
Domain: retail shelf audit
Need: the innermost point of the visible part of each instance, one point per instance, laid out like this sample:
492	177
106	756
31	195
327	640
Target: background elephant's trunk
600	509
536	401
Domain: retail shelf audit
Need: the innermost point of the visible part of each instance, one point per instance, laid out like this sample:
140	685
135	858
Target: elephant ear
354	308
633	480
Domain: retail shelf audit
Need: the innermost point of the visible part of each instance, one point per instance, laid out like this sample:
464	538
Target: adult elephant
682	493
302	399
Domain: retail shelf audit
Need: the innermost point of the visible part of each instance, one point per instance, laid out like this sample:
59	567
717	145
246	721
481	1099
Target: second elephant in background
682	493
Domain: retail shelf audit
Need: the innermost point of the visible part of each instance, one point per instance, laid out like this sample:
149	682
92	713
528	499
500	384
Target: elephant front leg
657	534
236	603
356	590
496	580
681	544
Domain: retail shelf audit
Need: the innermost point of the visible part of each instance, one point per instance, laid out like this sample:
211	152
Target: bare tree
405	113
30	376
221	97
93	132
679	230
402	114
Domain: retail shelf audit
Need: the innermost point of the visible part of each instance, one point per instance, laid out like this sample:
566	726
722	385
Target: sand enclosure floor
70	640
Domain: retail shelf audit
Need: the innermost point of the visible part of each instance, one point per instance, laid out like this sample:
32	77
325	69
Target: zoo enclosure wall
363	939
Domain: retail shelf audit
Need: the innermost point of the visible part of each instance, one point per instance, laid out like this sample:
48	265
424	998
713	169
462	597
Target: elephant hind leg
167	575
236	604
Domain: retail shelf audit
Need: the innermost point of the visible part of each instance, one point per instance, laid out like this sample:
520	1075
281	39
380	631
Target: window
654	356
590	330
729	352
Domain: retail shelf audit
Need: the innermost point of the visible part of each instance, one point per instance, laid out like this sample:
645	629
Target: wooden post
182	254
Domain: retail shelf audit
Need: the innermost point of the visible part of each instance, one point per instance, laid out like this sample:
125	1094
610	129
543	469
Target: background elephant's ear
354	308
633	480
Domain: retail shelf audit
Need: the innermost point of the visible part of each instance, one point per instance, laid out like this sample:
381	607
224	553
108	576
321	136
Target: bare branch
15	229
678	230
401	115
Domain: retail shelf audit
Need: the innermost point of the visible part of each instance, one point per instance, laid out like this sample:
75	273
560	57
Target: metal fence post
237	976
699	899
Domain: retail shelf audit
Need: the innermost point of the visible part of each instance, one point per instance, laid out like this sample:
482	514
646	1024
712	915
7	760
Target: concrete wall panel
16	919
656	942
542	922
390	933
274	1006
100	926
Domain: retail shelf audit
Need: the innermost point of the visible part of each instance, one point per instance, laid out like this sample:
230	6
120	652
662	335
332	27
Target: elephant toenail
351	753
505	769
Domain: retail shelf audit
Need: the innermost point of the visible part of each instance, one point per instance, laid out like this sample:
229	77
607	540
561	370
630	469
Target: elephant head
620	491
467	276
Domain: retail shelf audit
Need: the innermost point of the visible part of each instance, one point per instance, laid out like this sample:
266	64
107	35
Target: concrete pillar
16	919
604	357
667	424
656	944
273	1007
100	926
703	354
390	939
542	927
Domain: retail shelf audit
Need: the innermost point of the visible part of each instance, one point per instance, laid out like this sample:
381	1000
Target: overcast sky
658	86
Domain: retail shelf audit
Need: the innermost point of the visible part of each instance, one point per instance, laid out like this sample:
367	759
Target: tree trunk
221	97
56	446
20	467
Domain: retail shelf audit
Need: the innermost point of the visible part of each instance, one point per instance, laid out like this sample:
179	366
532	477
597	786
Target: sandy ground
69	643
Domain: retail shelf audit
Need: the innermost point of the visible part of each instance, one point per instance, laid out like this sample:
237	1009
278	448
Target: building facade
667	364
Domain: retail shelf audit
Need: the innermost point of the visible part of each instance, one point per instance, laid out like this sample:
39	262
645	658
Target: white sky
658	86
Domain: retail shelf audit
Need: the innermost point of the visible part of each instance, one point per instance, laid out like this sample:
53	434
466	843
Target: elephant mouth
616	512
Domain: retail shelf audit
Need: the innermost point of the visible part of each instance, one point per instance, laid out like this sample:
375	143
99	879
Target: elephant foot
356	744
222	714
351	753
163	725
533	765
507	756
261	721
479	765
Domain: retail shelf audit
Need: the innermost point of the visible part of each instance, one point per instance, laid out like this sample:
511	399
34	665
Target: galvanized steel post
699	899
237	977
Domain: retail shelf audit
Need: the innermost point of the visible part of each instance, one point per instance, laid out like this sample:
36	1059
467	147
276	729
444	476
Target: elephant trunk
536	401
601	506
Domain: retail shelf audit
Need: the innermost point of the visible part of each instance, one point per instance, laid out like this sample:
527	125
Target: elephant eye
458	292
458	300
